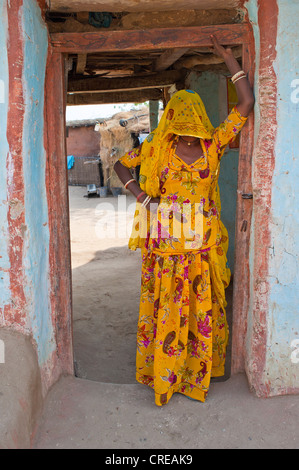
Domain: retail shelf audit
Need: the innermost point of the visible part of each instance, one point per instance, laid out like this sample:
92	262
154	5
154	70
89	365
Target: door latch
247	195
244	226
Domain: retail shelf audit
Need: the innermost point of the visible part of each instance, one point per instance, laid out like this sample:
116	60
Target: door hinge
247	195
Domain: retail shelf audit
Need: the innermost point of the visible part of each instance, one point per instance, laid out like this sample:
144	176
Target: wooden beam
169	57
110	61
56	187
104	85
159	38
81	63
242	271
204	59
136	96
136	5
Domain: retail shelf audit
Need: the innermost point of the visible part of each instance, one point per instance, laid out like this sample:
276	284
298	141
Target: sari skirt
182	328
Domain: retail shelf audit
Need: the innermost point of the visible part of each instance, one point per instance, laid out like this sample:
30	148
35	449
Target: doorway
105	273
168	44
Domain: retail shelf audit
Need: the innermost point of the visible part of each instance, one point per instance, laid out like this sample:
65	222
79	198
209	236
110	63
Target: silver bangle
241	72
146	201
243	76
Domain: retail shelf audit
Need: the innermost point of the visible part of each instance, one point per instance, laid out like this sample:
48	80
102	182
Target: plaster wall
4	150
83	141
272	361
24	240
282	359
36	231
26	328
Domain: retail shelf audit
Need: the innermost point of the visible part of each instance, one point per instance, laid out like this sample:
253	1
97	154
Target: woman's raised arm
243	88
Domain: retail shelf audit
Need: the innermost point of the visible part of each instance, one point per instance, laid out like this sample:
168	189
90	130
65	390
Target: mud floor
106	288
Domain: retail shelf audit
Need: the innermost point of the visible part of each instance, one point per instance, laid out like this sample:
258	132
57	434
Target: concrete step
82	414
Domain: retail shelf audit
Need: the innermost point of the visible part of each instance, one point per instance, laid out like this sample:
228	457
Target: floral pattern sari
182	328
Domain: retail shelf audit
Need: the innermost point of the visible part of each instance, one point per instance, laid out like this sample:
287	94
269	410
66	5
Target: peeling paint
262	170
273	321
4	149
284	267
16	208
36	247
14	312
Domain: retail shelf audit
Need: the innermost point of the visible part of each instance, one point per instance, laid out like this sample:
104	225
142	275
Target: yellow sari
182	329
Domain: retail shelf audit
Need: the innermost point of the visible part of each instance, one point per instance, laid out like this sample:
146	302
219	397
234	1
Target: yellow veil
184	114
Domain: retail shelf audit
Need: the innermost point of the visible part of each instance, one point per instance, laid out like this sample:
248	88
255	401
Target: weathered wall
273	321
24	257
283	337
26	328
4	149
83	141
36	236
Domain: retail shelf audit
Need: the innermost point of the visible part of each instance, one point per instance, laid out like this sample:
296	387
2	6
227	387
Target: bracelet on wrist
146	201
238	75
239	78
128	182
139	195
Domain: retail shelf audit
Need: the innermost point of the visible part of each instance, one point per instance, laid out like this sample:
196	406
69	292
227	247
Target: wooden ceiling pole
104	85
169	57
81	63
136	96
150	39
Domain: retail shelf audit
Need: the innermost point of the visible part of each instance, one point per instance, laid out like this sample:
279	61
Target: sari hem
183	388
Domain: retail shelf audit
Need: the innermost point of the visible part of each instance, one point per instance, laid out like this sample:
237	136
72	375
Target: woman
182	329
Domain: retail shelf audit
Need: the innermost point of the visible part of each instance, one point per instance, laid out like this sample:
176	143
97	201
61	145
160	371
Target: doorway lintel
157	38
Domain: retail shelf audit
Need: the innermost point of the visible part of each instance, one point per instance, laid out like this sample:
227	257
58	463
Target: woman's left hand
152	205
219	50
244	90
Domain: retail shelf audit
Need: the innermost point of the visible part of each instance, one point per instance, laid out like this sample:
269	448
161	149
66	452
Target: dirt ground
106	288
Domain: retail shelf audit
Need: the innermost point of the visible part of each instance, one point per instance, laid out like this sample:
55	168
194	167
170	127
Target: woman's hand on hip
152	205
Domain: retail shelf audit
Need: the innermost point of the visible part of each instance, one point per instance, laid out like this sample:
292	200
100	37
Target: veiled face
185	115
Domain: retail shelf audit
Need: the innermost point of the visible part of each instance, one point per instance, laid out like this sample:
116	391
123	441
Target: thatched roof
133	121
84	122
